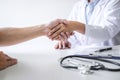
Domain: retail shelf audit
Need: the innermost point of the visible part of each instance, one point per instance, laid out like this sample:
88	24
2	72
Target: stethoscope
74	62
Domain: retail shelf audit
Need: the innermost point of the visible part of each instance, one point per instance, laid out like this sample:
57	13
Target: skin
63	45
69	27
12	36
6	61
58	29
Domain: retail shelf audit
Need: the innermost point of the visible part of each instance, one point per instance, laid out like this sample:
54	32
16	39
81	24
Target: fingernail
49	34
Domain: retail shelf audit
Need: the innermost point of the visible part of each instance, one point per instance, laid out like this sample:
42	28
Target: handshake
61	30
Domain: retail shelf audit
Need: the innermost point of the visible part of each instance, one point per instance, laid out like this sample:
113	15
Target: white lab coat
103	29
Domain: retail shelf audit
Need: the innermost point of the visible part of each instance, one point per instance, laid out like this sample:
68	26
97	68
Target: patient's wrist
42	30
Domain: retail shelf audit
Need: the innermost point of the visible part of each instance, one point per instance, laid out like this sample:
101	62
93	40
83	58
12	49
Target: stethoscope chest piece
85	69
87	64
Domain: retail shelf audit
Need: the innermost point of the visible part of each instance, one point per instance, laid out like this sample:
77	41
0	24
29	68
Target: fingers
56	31
56	22
57	28
59	31
57	38
58	45
6	61
68	45
53	24
63	45
63	36
68	34
72	33
12	62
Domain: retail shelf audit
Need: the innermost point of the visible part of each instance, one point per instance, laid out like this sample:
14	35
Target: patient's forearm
10	36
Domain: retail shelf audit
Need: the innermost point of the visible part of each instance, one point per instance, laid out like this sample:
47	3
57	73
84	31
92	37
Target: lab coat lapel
97	10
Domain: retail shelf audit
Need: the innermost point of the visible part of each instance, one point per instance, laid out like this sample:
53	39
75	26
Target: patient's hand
58	30
6	61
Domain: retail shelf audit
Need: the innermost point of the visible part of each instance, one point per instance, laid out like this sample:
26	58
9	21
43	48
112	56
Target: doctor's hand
69	27
63	45
58	26
62	30
6	61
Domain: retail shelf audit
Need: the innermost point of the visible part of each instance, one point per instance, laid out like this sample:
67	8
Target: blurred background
21	13
32	12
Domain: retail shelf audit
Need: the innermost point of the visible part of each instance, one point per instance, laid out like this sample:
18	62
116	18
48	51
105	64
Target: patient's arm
10	36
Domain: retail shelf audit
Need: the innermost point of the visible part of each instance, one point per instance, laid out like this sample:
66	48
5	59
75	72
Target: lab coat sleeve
73	39
110	27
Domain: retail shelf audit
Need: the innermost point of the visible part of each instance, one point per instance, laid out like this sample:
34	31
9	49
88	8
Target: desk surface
43	64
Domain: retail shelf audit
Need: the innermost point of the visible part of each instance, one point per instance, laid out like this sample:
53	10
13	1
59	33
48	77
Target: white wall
32	12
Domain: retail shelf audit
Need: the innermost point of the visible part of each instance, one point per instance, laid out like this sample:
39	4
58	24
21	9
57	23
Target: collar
94	2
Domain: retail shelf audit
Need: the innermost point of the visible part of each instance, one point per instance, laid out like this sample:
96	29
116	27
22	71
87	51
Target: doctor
95	22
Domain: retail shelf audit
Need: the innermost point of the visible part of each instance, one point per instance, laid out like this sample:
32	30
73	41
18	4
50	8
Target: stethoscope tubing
98	58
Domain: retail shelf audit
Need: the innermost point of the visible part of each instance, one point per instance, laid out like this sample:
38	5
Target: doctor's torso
101	16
